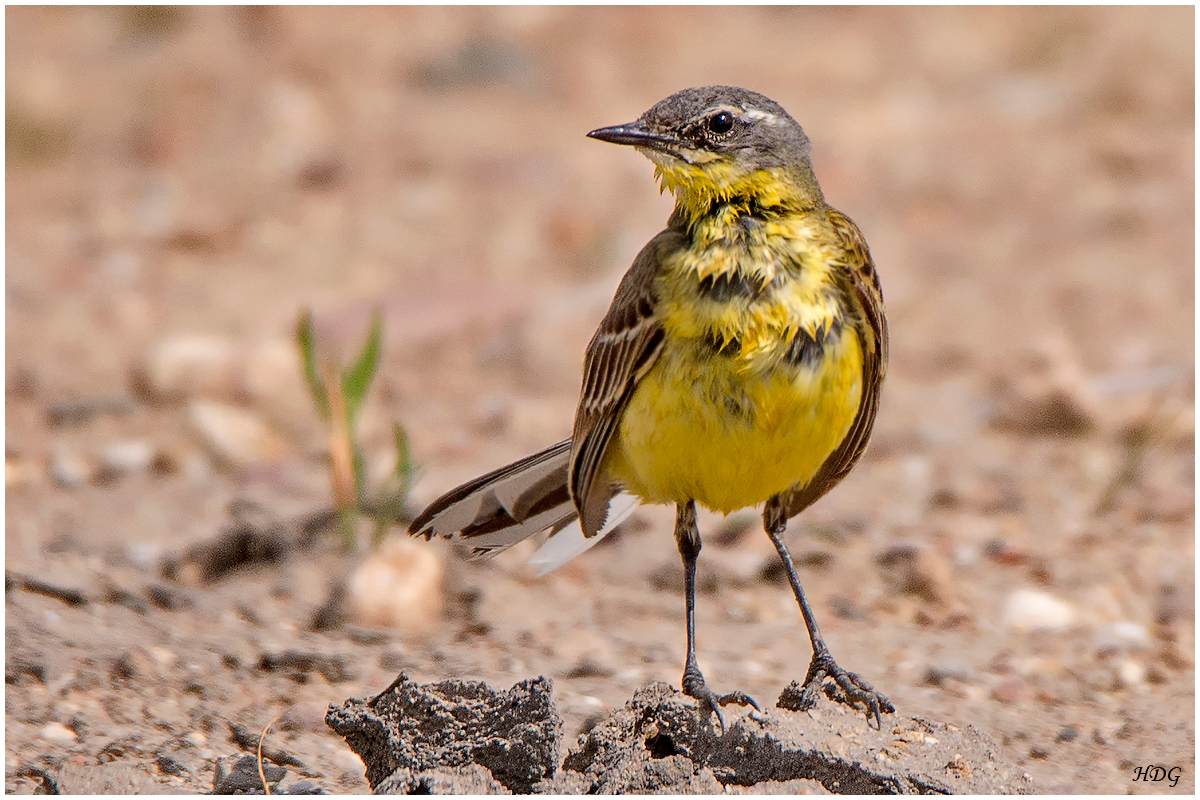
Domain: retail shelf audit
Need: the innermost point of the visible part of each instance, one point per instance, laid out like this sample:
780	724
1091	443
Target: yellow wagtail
740	363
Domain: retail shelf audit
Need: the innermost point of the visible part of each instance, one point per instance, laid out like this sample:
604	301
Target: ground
1015	551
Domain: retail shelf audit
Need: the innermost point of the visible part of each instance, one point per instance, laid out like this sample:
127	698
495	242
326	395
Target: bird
740	363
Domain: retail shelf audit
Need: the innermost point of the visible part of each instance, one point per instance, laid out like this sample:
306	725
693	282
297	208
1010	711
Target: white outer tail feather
569	542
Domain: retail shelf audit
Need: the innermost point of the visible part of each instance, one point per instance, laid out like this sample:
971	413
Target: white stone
234	435
1122	634
1130	673
399	586
127	457
58	733
68	468
1030	609
187	366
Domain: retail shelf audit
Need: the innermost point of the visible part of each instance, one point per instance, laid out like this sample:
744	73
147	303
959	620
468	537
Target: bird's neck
702	190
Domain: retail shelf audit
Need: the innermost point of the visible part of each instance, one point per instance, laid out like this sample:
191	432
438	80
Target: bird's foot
710	701
846	688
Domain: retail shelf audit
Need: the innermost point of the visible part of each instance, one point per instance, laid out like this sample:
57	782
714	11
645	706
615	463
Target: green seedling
338	393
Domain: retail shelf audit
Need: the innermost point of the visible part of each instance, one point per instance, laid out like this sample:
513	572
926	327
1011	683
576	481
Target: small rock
1067	734
400	585
244	777
186	366
235	436
143	554
169	766
943	674
1121	635
58	733
959	767
271	371
1013	690
167	598
79	412
299	664
1004	552
162	655
18	473
589	667
69	469
125	457
1130	673
1029	609
845	608
304	787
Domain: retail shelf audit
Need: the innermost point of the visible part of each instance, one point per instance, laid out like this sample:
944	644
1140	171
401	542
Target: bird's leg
687	537
847	688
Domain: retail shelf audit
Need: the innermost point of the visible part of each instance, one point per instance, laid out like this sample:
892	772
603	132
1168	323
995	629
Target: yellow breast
732	427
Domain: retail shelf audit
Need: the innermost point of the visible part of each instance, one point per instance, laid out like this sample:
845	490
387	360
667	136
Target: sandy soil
1016	551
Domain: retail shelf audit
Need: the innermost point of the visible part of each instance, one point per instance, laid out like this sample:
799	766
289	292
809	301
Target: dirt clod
298	665
513	734
459	737
244	777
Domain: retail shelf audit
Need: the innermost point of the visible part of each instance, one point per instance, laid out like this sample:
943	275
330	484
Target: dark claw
847	688
694	686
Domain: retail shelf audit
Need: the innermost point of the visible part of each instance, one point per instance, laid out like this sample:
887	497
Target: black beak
638	135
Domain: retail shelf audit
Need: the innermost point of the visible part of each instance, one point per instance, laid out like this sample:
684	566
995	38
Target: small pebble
234	435
1067	734
144	554
941	674
1030	609
162	655
1130	673
127	457
186	366
18	473
844	608
69	469
399	586
1005	552
1013	690
169	766
58	733
1121	635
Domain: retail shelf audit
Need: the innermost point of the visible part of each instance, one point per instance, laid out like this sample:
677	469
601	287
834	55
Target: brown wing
625	346
858	270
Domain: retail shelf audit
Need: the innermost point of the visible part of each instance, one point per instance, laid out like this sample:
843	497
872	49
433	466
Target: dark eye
721	123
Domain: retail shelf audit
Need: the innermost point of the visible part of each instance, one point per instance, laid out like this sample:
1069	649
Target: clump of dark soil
462	737
455	725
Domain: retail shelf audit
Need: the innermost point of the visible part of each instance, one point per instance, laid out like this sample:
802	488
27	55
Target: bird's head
716	143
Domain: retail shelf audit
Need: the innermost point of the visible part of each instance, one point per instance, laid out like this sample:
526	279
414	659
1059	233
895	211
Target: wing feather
858	270
625	346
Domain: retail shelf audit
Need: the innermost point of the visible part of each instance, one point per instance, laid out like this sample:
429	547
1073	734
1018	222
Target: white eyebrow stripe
754	113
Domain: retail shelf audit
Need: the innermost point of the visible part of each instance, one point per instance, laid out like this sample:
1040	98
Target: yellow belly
729	432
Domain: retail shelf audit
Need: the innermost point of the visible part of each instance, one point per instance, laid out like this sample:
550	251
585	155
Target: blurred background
1016	550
